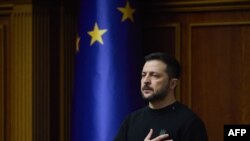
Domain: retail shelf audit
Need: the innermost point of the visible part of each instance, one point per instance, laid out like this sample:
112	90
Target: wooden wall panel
41	74
220	74
4	58
37	64
67	66
20	72
214	49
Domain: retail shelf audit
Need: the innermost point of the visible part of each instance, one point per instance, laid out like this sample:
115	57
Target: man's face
154	81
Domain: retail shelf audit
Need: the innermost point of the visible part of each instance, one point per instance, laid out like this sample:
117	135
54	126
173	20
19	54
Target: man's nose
146	79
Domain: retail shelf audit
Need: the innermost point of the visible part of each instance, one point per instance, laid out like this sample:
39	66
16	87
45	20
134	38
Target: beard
158	95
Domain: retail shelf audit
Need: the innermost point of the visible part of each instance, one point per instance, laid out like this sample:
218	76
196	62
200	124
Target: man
164	119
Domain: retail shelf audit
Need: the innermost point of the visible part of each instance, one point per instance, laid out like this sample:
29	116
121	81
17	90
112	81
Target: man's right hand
162	137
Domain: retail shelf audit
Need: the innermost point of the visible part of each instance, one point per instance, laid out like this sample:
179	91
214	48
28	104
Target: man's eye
156	76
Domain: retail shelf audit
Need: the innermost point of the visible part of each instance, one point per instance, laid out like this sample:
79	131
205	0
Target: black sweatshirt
177	120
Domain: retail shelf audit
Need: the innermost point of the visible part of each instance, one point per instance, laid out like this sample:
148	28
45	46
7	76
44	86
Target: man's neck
168	100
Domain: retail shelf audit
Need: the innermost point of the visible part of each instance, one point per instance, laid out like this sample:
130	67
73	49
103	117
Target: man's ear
173	83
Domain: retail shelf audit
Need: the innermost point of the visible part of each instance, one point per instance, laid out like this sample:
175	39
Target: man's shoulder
187	112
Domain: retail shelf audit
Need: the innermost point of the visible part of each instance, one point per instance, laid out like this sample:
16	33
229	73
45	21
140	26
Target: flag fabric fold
108	68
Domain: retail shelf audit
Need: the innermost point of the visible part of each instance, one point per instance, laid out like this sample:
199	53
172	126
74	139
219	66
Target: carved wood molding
2	94
194	6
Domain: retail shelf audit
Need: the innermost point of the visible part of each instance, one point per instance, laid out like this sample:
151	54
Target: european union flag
108	68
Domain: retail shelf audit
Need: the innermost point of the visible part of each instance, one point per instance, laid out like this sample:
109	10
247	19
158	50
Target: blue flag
108	68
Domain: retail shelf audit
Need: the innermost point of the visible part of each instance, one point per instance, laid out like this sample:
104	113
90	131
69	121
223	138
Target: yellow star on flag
127	12
96	34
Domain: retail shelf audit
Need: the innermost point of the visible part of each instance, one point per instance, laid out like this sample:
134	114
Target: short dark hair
173	66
